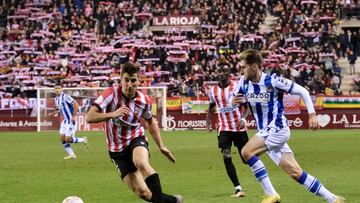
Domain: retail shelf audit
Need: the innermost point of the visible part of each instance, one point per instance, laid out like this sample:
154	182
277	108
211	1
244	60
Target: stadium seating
83	43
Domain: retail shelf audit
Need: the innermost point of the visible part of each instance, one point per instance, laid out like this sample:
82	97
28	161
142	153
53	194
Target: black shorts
123	160
226	138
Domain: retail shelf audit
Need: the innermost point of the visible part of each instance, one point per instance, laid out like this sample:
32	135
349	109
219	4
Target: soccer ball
73	199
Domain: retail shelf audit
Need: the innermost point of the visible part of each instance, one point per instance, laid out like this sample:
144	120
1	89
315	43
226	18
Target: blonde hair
251	56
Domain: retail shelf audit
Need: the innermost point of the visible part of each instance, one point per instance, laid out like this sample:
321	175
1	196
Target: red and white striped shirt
120	131
228	116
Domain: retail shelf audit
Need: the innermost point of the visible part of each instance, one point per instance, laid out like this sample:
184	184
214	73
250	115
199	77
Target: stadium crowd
83	43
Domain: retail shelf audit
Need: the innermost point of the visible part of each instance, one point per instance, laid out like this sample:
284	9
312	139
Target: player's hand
56	114
238	99
165	151
241	124
208	126
122	111
73	120
313	124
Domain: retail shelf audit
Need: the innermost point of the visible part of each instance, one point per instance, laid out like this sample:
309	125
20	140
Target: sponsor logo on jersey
227	109
261	97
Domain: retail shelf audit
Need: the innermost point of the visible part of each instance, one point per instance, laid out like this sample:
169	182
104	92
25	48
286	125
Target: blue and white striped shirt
65	104
265	99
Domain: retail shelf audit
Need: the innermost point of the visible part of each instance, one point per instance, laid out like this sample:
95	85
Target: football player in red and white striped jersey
231	126
122	108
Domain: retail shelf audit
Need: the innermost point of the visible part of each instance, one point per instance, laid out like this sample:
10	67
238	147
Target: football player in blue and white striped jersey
264	95
68	108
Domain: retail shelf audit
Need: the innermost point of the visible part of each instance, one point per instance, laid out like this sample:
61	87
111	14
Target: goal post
86	96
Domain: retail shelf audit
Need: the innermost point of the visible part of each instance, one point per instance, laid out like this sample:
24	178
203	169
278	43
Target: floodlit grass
32	168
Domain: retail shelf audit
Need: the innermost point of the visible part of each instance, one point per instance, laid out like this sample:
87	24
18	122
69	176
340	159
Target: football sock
77	140
313	185
68	148
153	183
238	188
169	198
231	171
261	175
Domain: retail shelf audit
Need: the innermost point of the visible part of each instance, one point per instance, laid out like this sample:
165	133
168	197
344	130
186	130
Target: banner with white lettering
329	119
186	20
19	103
23	123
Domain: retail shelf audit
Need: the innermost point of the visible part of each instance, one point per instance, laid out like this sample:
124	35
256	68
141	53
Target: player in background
264	94
121	108
231	126
68	108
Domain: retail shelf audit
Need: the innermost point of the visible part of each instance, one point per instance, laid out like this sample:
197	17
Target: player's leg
224	143
256	146
72	131
152	179
140	158
135	182
69	150
240	140
64	140
293	169
129	174
137	185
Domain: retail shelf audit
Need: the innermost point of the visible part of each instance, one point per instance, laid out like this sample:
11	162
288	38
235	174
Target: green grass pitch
32	168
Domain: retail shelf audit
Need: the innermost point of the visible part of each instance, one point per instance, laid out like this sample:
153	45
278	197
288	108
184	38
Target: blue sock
261	175
66	145
313	185
74	140
68	148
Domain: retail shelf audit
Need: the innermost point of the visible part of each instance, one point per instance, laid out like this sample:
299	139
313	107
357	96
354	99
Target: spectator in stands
352	60
227	29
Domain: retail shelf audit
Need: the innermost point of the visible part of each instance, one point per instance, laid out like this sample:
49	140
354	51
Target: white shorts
67	129
276	142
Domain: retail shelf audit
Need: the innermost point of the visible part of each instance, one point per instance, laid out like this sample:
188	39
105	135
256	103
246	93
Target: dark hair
251	56
223	62
59	83
130	68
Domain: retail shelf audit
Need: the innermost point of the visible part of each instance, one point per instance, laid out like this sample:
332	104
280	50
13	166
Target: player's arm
152	126
293	88
237	96
76	108
210	115
245	114
238	99
55	113
95	114
299	90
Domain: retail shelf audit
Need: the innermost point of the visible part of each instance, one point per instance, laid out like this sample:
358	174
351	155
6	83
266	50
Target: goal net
46	119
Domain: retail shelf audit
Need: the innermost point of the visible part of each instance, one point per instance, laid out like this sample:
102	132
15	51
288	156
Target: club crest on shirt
284	81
